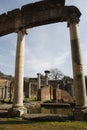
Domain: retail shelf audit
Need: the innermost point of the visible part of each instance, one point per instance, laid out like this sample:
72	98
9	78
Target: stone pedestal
80	113
17	111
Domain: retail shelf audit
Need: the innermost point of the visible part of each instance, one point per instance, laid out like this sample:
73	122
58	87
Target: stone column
29	89
46	76
6	90
3	93
39	80
18	108
78	74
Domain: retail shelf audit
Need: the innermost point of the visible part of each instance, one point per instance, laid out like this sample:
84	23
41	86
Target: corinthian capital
22	29
73	19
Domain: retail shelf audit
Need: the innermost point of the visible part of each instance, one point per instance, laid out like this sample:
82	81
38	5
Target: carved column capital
73	19
22	29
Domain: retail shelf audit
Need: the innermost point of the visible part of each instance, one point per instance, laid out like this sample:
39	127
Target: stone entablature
36	14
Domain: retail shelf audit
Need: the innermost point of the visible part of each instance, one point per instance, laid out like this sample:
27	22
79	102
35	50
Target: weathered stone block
17	112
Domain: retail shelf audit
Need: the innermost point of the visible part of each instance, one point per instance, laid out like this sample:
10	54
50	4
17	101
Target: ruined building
39	88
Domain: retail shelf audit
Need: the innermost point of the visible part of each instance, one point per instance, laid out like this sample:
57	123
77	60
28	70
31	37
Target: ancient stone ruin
37	14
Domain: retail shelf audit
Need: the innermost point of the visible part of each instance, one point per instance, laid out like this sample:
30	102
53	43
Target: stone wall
62	96
45	93
4	88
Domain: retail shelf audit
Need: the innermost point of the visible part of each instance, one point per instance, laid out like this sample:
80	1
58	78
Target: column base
17	111
80	113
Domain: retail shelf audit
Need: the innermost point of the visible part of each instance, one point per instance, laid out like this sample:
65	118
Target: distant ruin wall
45	93
62	96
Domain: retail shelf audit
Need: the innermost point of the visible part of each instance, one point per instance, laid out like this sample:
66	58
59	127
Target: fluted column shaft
39	80
19	70
3	93
78	74
6	92
46	78
29	89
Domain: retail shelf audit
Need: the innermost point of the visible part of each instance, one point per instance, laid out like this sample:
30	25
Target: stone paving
34	117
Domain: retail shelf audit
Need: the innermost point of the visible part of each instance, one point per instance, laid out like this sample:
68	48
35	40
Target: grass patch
2	128
16	124
27	100
71	124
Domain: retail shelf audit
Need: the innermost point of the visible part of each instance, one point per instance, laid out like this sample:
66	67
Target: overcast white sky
46	47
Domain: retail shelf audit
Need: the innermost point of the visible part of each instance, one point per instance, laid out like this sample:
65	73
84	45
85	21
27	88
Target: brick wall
45	93
62	95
